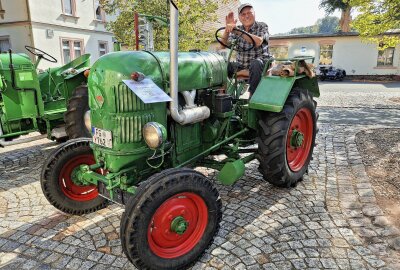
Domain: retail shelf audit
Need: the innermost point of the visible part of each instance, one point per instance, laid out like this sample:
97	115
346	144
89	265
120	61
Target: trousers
255	70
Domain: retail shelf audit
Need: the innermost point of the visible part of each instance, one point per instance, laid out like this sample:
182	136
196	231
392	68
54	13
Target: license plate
102	137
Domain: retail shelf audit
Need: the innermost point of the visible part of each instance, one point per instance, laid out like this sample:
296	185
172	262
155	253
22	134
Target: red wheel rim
168	244
72	190
301	123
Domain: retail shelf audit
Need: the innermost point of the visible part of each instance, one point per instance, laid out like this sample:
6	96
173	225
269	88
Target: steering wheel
235	47
41	54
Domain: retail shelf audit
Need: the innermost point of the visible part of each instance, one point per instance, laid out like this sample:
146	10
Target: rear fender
272	91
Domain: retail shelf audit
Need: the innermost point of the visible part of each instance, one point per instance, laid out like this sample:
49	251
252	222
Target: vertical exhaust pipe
173	50
190	115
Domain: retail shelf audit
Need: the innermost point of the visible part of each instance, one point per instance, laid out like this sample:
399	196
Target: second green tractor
52	102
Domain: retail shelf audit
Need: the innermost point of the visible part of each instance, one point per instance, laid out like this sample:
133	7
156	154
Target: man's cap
243	6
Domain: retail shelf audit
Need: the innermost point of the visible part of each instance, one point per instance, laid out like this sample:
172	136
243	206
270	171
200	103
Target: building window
99	12
68	7
325	56
4	44
385	57
71	49
103	48
279	52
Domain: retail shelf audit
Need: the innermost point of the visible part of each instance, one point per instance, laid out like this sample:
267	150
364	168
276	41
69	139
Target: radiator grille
130	128
127	101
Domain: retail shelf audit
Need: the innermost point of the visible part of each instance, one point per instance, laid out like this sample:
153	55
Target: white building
65	29
344	50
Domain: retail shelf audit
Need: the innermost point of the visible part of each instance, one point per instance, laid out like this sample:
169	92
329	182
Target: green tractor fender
273	91
75	67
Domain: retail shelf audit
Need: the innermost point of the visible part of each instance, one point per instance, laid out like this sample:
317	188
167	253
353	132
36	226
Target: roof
317	35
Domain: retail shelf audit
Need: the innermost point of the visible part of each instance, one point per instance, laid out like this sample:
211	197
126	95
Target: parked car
331	73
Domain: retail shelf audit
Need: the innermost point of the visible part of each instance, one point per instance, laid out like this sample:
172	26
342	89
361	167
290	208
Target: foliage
376	18
328	24
192	16
304	30
331	5
344	6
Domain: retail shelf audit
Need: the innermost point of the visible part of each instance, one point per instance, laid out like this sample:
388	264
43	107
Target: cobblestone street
330	220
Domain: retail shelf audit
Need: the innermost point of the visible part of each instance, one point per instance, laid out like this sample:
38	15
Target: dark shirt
262	52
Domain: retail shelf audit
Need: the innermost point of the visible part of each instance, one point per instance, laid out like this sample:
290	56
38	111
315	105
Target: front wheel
287	140
171	220
58	179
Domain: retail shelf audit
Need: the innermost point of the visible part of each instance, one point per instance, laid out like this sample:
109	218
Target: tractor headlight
154	134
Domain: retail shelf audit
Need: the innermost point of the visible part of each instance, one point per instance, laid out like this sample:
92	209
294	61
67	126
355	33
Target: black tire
59	190
277	165
144	208
74	117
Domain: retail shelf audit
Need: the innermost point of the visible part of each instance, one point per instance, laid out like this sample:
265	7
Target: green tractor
146	143
32	101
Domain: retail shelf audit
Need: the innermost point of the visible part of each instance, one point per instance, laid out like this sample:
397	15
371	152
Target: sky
284	15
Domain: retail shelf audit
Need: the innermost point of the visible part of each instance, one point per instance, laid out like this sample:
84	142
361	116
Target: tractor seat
243	75
243	78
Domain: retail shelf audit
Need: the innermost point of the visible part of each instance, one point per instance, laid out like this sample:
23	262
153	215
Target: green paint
297	138
114	107
271	93
36	102
209	150
25	76
309	84
75	176
179	225
231	172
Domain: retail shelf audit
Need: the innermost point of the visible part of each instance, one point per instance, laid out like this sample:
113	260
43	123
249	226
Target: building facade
65	29
343	50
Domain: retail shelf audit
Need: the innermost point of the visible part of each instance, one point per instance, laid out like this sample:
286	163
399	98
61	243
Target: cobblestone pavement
329	221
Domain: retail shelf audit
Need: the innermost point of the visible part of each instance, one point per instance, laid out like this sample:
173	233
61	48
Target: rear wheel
171	220
59	184
77	117
287	140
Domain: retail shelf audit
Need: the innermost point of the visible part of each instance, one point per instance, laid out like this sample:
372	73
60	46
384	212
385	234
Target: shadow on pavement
261	224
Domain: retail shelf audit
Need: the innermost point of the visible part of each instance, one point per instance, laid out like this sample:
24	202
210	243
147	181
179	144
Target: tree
331	5
304	30
328	24
192	17
376	19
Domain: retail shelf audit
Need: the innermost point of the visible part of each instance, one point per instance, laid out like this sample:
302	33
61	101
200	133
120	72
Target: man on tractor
251	59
